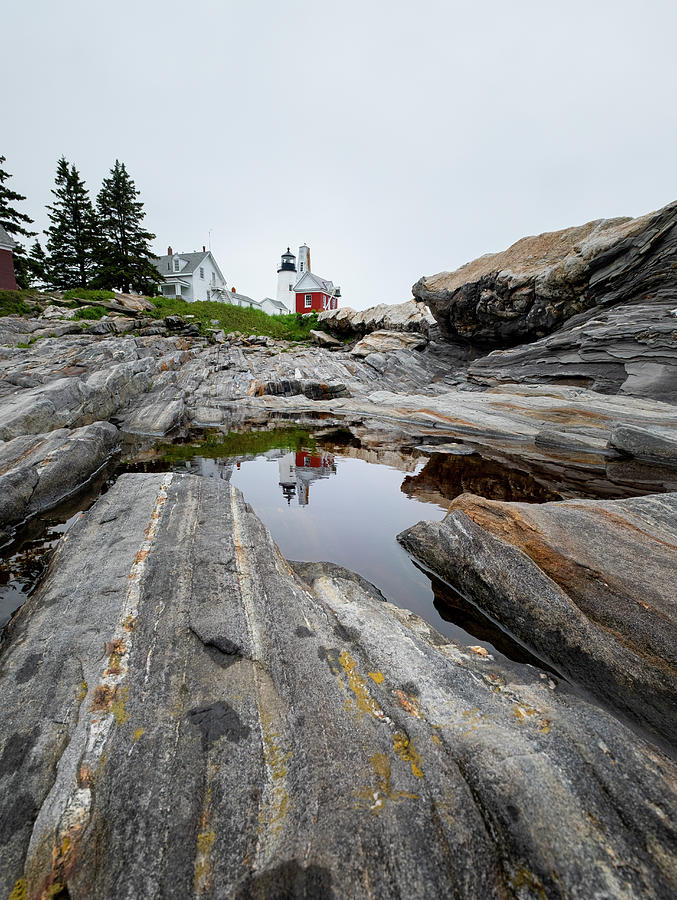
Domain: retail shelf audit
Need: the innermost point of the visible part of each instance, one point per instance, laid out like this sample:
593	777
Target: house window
213	278
202	272
309	300
291	286
176	265
300	267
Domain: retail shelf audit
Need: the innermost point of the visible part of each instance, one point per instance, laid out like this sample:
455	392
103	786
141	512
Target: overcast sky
397	139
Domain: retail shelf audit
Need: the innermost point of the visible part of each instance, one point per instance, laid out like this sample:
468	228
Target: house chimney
233	290
169	251
204	249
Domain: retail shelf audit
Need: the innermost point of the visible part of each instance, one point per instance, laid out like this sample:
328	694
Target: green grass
12	303
82	294
90	312
216	445
236	318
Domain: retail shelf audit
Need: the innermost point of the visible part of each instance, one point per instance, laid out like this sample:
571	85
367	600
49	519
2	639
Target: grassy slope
237	318
203	313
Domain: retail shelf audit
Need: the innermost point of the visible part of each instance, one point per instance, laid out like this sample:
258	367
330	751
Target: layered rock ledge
174	687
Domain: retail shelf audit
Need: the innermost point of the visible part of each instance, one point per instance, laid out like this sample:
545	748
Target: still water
321	503
326	506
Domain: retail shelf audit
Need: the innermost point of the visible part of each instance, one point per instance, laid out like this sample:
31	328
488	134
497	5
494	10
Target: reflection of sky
351	519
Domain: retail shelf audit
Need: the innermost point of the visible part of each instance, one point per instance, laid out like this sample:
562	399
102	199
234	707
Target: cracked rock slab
186	715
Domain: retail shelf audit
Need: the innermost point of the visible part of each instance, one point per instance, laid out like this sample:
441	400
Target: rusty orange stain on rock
409	703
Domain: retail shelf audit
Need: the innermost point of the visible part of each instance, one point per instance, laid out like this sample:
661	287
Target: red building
314	294
7	279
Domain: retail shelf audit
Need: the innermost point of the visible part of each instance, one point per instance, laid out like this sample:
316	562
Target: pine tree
14	222
71	237
124	254
37	266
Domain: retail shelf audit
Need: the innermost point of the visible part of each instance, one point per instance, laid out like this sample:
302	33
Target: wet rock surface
173	685
533	287
589	585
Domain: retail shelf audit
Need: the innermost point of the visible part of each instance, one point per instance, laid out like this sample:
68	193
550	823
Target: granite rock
322	339
408	316
385	341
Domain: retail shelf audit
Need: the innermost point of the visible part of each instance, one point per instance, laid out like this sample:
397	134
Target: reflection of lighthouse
298	470
286	465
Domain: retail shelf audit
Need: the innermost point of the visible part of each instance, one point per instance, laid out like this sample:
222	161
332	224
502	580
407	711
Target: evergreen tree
14	222
37	266
123	254
71	237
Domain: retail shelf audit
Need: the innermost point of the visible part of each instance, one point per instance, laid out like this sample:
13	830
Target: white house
274	307
192	276
236	299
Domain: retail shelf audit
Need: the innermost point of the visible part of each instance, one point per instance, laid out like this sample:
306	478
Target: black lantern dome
288	262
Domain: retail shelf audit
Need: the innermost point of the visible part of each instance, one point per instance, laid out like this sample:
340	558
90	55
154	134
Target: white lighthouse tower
286	279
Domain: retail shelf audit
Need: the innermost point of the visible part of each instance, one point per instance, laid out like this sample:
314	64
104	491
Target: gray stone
172	687
57	312
642	443
322	339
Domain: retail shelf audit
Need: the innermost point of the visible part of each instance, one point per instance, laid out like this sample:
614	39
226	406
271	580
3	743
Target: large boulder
409	316
589	585
185	715
530	289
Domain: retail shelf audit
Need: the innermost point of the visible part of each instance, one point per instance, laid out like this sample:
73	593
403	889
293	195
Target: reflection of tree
298	470
445	476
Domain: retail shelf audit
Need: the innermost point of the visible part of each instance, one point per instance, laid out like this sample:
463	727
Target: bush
82	294
90	312
13	304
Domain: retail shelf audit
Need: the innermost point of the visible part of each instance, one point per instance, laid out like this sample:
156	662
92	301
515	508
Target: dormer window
176	264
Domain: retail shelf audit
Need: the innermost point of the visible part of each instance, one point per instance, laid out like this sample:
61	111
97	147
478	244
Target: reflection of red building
297	470
314	461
